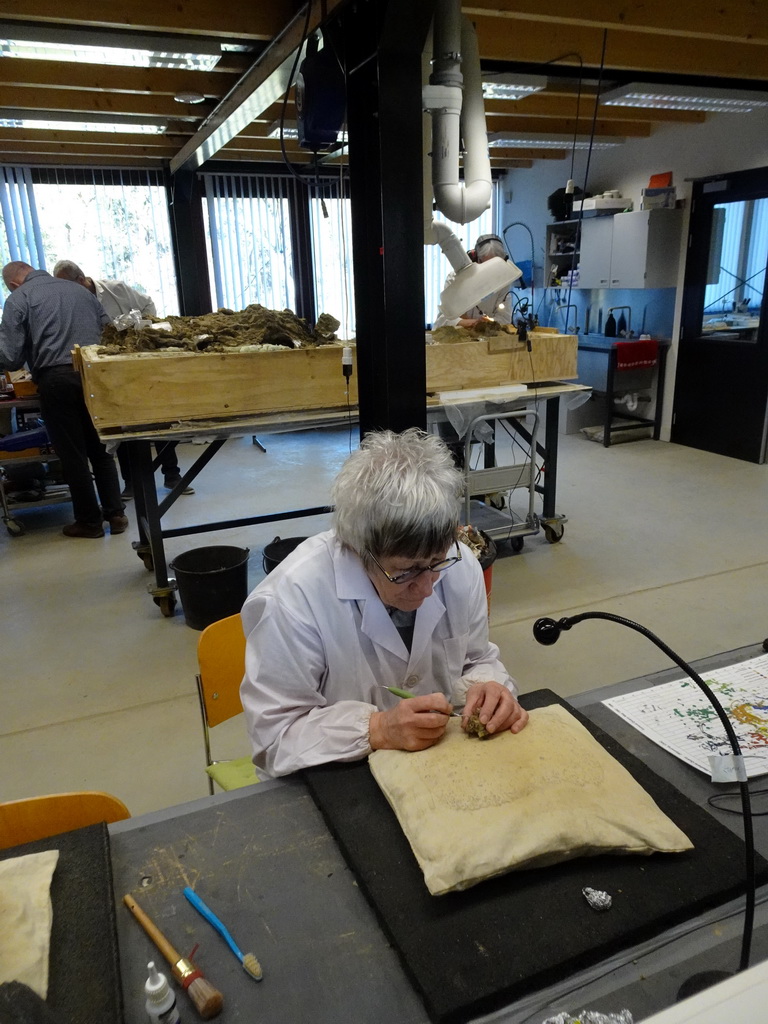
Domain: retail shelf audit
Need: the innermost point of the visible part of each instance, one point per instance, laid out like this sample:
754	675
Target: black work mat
470	952
84	971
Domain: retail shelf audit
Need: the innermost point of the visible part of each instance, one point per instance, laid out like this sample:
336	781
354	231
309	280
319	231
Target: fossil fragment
474	727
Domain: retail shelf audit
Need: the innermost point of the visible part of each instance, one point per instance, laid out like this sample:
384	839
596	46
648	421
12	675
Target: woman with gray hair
387	598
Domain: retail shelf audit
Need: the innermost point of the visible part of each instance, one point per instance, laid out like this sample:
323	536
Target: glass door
721	387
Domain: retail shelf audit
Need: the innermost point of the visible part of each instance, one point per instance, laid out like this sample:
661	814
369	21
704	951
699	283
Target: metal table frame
150	511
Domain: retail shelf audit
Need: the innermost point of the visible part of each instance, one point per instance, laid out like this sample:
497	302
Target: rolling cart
498	522
27	448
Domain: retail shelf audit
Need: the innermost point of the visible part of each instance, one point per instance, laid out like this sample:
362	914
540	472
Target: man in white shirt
116	297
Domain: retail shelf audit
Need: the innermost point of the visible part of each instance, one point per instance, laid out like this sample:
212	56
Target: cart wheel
167	604
15	528
553	532
517	544
145	554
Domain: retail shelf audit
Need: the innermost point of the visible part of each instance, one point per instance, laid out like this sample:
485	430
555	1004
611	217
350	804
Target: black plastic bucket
277	550
212	582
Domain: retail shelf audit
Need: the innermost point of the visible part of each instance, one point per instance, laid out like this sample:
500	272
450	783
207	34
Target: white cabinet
631	250
595	255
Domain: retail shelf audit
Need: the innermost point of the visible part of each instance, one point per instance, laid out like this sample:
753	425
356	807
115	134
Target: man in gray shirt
117	298
43	319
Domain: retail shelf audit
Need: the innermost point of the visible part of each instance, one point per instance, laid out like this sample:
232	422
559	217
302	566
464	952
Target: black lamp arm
547	631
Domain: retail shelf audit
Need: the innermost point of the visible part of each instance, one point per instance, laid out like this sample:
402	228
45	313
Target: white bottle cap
156	986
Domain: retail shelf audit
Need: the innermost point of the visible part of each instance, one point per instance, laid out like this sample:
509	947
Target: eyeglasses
410	574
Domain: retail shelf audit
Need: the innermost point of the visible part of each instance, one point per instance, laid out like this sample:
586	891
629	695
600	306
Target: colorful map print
680	719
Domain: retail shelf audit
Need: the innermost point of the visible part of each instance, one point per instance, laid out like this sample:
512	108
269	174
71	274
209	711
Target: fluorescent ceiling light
81	126
685	97
512	87
291	131
92	46
544	141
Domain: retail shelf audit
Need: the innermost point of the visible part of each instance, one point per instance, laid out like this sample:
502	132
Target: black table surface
265	861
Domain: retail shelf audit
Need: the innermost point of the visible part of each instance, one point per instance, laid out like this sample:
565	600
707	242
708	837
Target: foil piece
597	899
591	1017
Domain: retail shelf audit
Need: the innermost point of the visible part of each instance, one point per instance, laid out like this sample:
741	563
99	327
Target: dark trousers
169	462
78	447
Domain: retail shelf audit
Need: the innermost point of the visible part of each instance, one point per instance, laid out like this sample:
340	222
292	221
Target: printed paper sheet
680	719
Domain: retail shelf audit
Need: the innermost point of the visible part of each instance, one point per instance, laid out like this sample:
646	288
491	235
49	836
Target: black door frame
721	386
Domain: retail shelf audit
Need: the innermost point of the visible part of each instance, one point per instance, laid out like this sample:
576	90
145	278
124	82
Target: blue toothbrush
248	960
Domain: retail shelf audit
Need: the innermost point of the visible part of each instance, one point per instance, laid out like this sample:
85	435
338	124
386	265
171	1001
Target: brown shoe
118	524
83	530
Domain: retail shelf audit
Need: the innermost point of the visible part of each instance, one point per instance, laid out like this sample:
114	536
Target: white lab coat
117	297
321	647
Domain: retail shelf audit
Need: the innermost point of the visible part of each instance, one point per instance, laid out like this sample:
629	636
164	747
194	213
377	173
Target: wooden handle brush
208	1000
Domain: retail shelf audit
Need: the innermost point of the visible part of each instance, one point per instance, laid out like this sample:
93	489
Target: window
736	270
437	267
114	224
332	259
248	233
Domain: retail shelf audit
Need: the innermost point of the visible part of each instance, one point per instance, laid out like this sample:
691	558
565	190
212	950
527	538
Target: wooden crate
147	388
502	359
159	388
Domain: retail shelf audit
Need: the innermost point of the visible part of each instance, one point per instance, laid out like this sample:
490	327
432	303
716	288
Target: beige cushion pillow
26	917
472	809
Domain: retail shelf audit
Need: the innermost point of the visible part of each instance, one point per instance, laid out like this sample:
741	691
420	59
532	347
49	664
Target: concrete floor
98	687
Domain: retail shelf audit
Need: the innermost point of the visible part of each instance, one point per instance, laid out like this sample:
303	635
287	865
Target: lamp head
547	631
476	280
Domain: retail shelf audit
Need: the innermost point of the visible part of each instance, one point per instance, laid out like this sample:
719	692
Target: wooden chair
221	663
22	821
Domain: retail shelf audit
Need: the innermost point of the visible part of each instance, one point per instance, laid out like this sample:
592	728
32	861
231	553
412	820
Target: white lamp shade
474	282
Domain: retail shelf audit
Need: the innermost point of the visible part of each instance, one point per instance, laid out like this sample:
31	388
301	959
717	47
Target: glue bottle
161	1001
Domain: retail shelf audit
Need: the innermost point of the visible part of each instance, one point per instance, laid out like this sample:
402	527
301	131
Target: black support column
301	245
186	214
383	44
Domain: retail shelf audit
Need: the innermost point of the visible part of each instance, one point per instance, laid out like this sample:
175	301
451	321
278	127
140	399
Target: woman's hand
496	707
415	724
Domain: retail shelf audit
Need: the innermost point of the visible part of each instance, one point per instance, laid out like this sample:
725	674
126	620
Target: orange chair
22	821
221	662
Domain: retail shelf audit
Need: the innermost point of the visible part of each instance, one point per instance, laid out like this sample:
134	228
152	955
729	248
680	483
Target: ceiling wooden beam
95	139
731	20
509	162
153	81
91	160
544	105
36	147
529	154
569	126
228	153
544	42
262	145
262	20
114	103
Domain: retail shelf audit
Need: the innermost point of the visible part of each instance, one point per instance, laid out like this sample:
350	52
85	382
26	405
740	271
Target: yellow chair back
38	817
221	660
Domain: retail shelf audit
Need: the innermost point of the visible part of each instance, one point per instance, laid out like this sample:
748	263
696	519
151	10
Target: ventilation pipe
456	69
